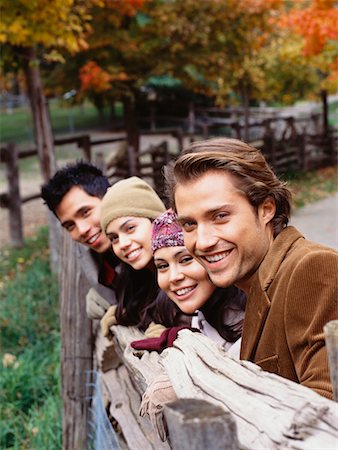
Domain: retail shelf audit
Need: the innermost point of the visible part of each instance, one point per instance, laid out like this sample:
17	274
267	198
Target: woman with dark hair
219	312
127	213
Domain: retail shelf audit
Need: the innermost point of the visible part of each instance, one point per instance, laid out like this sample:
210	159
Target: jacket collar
258	303
275	255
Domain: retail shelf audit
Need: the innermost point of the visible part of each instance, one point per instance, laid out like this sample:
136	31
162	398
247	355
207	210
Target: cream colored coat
293	295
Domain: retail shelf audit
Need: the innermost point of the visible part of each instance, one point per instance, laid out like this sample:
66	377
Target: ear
267	210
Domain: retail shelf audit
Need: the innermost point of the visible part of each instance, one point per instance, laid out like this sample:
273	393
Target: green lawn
30	407
333	114
18	127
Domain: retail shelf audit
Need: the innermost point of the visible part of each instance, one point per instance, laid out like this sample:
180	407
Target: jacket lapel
256	312
258	303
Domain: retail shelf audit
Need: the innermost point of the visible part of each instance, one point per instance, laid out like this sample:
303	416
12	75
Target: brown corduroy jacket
294	293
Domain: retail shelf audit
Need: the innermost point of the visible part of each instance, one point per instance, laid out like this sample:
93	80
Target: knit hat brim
130	197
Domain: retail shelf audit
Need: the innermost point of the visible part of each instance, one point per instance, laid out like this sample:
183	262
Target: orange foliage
125	7
317	24
94	78
258	6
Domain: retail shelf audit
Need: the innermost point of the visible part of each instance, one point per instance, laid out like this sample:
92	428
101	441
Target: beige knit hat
130	197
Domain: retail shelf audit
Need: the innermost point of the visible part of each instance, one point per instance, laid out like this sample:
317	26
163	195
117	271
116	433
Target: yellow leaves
54	56
62	23
121	76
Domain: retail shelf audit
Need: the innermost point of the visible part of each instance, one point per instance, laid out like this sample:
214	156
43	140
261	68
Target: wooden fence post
199	425
191	118
85	144
76	348
100	162
132	165
10	157
331	338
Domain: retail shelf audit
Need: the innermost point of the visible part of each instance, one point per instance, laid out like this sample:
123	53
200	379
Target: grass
17	126
308	187
333	114
29	349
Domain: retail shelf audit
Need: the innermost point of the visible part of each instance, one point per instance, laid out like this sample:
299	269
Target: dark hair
85	175
251	173
214	309
141	301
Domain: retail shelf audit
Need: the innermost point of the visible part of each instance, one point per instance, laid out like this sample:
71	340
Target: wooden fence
220	403
288	143
147	164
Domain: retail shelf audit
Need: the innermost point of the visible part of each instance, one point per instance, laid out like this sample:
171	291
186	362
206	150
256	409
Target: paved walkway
319	221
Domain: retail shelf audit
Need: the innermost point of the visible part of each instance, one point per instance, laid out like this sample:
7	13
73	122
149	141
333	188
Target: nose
124	241
82	227
205	238
176	274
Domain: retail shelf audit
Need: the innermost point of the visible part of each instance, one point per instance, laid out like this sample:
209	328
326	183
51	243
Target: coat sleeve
311	302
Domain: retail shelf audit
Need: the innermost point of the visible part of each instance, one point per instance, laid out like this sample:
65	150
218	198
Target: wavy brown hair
254	177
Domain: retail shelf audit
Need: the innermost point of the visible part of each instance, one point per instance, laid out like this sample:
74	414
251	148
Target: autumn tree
211	47
316	21
30	33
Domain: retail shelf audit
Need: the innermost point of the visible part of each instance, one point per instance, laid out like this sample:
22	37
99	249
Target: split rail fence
147	164
288	143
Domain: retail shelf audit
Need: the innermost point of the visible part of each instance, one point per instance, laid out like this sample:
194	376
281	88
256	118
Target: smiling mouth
184	291
215	258
93	238
133	254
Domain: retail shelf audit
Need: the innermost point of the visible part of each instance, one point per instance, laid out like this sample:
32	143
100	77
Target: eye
161	266
86	212
69	227
113	238
130	228
186	259
188	225
221	216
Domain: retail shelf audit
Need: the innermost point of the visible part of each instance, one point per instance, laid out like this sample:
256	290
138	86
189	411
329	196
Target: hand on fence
154	330
158	344
96	306
158	393
108	320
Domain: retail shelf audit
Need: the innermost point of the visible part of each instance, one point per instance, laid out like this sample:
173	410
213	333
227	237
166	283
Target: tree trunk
41	119
323	94
43	137
245	99
133	135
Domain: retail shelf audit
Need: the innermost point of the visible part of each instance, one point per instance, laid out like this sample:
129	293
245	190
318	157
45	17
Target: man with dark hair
74	195
234	212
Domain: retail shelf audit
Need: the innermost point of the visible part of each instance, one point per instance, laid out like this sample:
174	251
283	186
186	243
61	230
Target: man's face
221	228
79	214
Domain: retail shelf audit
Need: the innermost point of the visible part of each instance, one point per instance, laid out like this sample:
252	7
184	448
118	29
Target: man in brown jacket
234	212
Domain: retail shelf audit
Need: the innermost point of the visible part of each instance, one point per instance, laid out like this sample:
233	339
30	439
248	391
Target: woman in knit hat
127	212
220	311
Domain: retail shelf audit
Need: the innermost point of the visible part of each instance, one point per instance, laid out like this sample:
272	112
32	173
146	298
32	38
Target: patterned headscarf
166	231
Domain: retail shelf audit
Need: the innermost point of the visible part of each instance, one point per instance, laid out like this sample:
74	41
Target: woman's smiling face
131	240
182	278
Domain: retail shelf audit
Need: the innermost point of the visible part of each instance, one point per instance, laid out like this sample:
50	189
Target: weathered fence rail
269	411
